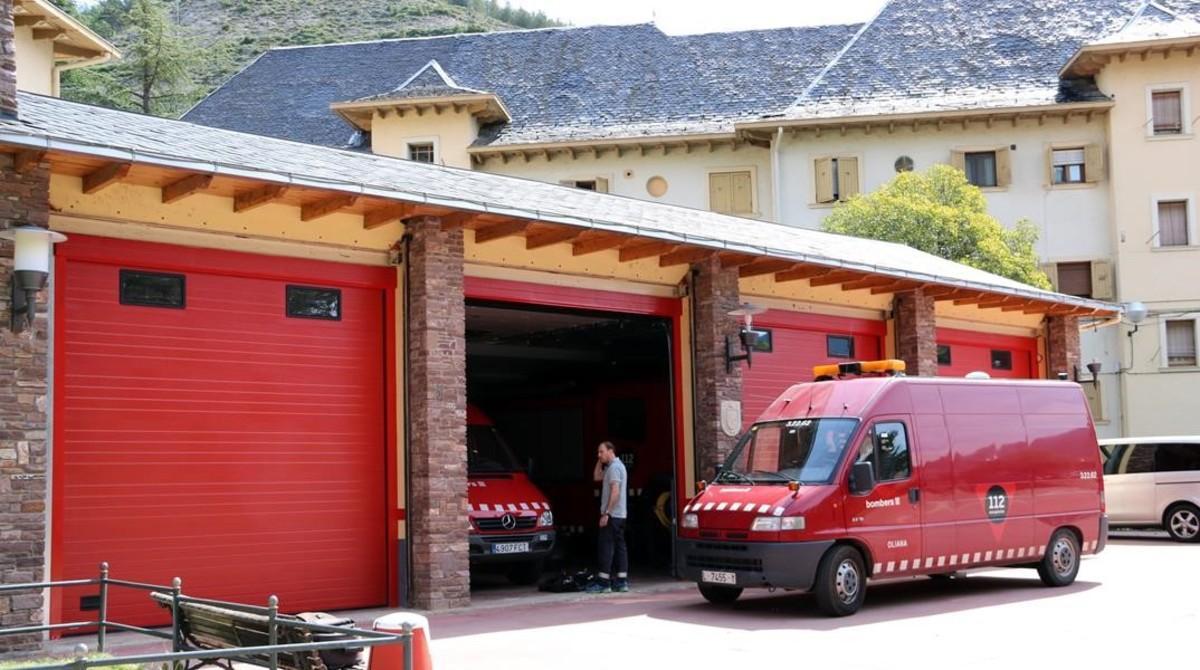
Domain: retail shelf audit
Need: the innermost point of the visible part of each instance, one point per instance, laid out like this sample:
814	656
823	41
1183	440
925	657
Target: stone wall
916	332
715	294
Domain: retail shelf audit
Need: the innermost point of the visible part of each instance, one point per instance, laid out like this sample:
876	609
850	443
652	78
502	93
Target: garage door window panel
839	346
153	289
310	302
1002	360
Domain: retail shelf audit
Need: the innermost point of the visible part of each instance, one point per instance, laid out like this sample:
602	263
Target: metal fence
350	637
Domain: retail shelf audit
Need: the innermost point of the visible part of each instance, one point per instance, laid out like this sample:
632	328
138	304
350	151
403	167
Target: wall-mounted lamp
31	269
746	335
1094	367
1136	312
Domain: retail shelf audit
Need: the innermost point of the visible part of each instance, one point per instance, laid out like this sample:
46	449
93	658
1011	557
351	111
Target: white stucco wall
35	63
686	173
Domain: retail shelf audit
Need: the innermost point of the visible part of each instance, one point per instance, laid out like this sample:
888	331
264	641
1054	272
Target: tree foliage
522	18
941	213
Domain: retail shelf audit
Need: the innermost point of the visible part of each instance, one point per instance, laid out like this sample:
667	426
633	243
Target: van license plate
714	577
510	548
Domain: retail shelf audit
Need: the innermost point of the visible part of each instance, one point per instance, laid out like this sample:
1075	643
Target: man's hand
603	520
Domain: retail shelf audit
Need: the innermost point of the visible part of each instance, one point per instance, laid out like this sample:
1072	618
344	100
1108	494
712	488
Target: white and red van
511	522
863	478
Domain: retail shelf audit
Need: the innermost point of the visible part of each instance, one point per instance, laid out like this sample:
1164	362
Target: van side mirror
717	470
862	479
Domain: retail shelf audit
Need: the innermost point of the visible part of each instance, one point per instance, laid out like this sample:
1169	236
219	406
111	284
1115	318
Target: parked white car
1154	482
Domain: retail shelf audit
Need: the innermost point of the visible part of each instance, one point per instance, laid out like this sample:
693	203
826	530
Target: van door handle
914	495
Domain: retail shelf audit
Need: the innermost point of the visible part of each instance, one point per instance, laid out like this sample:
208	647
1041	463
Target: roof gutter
46	143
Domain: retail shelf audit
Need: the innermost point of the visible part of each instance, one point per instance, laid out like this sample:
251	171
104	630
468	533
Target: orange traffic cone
391	656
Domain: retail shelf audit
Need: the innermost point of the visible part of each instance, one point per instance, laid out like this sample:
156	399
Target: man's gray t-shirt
615	472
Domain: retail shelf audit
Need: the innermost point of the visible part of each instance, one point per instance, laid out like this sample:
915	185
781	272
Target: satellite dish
978	374
1136	312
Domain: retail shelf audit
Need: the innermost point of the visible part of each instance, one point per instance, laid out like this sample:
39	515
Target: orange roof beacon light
884	368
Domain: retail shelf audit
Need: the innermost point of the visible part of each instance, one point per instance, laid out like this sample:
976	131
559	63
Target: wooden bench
210	627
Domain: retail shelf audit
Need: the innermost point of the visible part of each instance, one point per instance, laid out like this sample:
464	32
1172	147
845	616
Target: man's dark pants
613	556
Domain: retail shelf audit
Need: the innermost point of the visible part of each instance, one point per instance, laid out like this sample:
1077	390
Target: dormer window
421	152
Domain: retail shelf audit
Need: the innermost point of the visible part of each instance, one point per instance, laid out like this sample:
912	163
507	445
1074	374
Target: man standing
613	566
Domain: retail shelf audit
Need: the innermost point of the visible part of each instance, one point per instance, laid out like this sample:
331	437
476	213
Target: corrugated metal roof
51	123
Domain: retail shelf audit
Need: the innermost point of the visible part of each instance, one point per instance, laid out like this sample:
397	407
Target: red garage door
797	343
219	417
1002	356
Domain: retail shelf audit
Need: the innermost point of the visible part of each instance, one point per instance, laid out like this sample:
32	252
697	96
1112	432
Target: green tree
939	212
155	76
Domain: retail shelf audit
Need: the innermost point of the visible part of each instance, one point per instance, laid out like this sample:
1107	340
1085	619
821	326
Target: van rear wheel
1183	523
841	584
719	595
1060	564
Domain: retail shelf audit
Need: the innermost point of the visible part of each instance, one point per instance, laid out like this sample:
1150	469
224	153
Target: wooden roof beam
1018	307
26	160
592	241
895	286
764	266
248	200
732	259
105	176
838	277
498	231
544	237
992	302
971	299
382	216
456	220
684	256
802	272
182	188
72	51
641	248
330	205
869	282
27	20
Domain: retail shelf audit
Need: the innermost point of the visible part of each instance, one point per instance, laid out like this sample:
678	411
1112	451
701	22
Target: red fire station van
878	477
511	522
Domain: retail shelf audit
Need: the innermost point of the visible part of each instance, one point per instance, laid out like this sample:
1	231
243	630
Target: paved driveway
1138	602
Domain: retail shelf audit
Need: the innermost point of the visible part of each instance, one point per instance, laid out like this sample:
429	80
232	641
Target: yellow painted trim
557	258
688	465
808	307
992	328
401	397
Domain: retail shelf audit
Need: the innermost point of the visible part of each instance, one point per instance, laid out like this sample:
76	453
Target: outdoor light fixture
746	335
1136	312
31	269
1094	368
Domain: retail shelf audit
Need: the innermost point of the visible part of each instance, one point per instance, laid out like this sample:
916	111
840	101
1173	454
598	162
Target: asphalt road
1138	602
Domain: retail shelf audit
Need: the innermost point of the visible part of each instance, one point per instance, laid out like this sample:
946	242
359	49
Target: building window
421	152
839	346
904	164
152	289
731	192
307	302
837	179
886	449
1075	279
1068	166
1167	110
1181	343
981	168
943	355
598	184
1001	360
1173	223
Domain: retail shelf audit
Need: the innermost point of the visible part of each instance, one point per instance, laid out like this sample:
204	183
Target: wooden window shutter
958	159
720	192
601	184
742	198
1051	271
823	169
1003	167
847	178
1102	280
1049	166
1093	163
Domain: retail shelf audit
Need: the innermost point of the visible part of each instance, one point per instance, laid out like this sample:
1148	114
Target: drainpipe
776	196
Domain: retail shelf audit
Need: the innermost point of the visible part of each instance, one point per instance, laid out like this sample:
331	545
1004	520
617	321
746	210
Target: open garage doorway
545	385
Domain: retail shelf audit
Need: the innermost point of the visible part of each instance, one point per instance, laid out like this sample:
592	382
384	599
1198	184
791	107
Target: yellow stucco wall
451	133
35	63
1145	169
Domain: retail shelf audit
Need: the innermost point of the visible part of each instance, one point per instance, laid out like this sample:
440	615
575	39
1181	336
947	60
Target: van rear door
888	518
1129	484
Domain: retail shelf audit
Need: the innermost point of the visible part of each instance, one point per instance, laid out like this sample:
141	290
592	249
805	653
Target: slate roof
1154	22
558	84
431	81
47	123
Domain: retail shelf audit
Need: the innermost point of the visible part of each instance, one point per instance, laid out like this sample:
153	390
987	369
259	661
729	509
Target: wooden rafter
382	216
590	242
456	220
764	266
1018	307
732	259
27	20
26	160
991	302
640	249
330	205
896	286
839	277
971	299
545	237
105	176
48	33
802	272
684	256
500	230
869	282
182	188
257	197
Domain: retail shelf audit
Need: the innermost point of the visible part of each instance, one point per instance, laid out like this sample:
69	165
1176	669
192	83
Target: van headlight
691	520
546	519
774	524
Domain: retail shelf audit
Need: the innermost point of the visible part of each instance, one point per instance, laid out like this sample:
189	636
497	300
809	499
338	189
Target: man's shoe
621	586
596	587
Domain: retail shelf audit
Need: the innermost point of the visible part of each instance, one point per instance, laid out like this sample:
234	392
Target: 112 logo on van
997	500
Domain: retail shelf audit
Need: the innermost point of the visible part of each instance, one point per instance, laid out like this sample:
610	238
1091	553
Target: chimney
8	61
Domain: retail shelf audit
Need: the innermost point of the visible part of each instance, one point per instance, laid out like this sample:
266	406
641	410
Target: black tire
719	595
1060	563
1182	522
841	583
525	574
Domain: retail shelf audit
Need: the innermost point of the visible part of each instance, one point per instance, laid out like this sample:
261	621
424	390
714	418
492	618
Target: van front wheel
841	584
1183	523
719	595
1060	564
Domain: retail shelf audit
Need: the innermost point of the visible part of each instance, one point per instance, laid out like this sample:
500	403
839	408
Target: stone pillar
24	200
437	417
8	61
1062	346
714	294
916	332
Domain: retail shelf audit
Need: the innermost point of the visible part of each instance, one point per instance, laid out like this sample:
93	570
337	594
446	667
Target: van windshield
487	452
803	450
